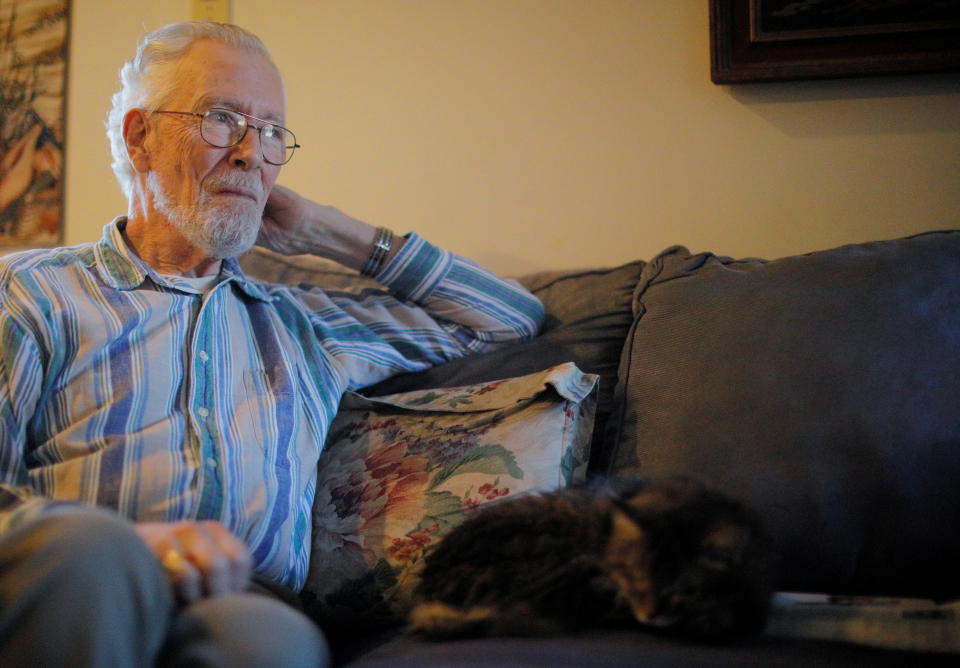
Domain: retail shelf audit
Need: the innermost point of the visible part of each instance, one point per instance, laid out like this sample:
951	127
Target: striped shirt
129	390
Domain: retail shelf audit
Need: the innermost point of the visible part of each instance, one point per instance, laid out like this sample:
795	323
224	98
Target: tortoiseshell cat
669	554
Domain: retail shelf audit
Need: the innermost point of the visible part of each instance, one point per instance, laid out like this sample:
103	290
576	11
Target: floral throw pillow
399	471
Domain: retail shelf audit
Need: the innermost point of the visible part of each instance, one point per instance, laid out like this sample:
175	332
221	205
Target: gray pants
81	589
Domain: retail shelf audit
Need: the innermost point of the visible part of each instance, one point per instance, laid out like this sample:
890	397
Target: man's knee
80	547
245	630
94	565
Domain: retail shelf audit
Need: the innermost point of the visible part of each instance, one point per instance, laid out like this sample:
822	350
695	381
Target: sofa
823	389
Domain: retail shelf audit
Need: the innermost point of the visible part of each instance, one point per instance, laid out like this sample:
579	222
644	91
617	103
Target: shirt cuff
416	269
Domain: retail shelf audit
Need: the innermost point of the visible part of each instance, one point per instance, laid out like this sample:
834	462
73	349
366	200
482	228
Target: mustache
236	182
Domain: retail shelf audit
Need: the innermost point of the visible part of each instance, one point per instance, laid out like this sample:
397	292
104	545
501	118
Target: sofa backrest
822	388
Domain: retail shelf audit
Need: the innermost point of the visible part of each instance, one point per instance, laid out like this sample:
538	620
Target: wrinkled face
214	196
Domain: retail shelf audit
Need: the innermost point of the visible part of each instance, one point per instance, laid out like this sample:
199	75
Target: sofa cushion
398	472
822	388
632	649
588	316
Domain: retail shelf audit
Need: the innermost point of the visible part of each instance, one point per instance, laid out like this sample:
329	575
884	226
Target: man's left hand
294	225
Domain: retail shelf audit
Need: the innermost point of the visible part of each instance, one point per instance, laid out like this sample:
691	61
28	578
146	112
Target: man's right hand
200	558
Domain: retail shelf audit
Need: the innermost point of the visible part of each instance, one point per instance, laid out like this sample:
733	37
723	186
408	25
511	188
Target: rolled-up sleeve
438	307
457	290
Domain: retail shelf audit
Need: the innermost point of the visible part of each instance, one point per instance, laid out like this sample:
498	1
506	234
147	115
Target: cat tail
440	621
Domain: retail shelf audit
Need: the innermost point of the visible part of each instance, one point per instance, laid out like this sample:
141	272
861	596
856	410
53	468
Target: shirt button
203	412
211	462
203	356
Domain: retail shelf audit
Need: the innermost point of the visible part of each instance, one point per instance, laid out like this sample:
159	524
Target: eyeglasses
224	128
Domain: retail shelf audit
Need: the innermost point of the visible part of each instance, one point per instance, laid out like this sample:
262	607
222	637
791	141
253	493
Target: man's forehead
219	75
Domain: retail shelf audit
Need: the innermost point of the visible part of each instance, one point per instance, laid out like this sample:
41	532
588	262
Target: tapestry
33	74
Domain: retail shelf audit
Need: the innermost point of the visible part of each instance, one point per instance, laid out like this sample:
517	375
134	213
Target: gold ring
172	561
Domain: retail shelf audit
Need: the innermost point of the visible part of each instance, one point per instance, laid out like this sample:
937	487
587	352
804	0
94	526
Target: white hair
148	80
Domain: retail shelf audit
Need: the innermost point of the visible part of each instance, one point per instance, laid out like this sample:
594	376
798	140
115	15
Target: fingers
199	558
220	556
182	575
283	220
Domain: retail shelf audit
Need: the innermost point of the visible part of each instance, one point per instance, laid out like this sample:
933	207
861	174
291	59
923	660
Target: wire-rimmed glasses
224	128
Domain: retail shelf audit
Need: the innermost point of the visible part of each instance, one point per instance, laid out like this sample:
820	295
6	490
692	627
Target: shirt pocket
268	413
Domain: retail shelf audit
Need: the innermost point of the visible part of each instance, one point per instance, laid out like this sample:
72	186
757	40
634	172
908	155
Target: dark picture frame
783	40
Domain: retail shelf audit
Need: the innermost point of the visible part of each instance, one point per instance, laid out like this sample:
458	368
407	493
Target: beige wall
555	133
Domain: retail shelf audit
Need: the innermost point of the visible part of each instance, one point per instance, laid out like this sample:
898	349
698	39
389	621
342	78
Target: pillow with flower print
399	471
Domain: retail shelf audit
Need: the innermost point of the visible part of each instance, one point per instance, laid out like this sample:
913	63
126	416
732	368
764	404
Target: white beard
220	229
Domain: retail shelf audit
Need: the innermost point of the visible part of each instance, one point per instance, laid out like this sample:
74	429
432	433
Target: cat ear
663	496
625	527
624	488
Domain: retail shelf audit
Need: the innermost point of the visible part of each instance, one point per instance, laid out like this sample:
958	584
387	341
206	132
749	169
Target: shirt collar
123	269
230	269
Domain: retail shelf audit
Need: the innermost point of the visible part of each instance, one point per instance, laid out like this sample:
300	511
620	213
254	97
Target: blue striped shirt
126	389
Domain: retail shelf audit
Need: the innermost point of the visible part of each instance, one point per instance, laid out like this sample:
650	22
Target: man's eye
221	117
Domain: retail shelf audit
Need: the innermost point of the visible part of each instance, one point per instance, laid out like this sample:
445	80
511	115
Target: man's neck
161	245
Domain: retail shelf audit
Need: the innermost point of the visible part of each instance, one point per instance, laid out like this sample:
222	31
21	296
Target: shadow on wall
506	264
857	107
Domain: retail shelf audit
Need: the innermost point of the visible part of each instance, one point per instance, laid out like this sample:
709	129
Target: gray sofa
822	388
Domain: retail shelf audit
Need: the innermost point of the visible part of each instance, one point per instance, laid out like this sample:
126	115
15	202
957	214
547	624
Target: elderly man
161	414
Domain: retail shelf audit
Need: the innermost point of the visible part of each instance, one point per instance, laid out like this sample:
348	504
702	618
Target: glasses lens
278	144
222	128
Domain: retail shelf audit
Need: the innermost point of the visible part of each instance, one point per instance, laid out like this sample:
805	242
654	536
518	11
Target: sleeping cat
669	554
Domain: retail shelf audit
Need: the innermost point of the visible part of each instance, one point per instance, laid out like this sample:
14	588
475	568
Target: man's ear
135	125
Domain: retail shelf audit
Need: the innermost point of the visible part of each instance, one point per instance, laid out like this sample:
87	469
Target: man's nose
247	154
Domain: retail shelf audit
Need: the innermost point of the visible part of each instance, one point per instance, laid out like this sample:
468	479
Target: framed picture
33	76
779	40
